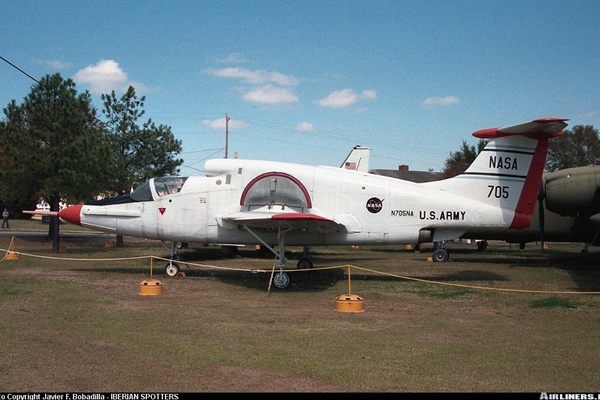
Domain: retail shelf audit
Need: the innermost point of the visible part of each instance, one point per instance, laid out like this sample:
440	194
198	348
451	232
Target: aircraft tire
304	263
440	255
172	269
281	280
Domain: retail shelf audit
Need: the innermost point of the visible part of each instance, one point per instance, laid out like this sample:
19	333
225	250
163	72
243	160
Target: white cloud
141	87
440	101
55	64
233	58
103	77
305	127
347	97
270	87
219	124
258	77
269	95
339	99
368	94
589	114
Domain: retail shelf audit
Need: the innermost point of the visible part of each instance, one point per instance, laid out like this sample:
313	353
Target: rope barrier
473	286
347	266
75	259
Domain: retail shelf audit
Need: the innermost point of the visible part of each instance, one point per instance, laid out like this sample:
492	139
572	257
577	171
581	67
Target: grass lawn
505	319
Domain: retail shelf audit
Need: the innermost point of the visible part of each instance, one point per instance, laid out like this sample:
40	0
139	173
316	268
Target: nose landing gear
172	269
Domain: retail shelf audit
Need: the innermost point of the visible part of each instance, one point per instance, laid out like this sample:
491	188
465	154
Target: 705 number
498	191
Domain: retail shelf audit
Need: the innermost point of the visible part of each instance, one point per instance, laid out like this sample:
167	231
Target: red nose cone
71	214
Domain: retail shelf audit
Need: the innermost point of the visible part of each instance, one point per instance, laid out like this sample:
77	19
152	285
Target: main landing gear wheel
172	269
281	280
482	245
304	263
440	255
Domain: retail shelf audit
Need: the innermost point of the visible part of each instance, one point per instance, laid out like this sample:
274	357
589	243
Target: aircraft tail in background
358	159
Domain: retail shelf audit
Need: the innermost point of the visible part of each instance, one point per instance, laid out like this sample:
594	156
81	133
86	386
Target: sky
305	81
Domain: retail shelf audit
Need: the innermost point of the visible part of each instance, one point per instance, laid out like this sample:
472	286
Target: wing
294	221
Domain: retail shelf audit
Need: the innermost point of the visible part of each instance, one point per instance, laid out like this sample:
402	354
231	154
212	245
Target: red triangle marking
162	210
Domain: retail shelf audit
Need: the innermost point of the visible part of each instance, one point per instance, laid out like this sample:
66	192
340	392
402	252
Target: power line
19	69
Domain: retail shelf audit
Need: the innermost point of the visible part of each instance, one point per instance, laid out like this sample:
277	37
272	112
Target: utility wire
19	69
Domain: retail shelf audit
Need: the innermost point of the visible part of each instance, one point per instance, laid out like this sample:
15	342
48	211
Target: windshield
169	184
142	193
164	185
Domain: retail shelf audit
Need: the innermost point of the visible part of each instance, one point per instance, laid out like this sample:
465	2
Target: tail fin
508	171
358	159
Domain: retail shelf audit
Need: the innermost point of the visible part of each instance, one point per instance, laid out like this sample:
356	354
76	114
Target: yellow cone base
11	255
150	287
349	303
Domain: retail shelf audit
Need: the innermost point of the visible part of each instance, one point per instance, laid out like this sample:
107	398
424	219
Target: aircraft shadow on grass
581	268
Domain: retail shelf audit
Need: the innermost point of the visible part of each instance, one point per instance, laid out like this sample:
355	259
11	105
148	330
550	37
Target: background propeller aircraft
261	202
567	210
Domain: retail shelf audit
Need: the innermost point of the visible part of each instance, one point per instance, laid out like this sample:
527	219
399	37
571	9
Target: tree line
54	146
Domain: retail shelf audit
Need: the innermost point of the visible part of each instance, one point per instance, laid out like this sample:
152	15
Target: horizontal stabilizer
543	127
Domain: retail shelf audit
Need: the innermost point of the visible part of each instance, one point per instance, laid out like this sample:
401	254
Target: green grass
553	302
505	320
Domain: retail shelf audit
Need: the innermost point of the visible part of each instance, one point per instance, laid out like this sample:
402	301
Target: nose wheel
281	280
172	269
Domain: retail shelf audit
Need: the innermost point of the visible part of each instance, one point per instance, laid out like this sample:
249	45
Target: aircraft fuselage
366	208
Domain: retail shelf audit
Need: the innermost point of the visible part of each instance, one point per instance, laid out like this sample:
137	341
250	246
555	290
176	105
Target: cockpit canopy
162	186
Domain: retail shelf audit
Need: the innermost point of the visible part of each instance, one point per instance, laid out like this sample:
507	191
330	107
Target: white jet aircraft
261	202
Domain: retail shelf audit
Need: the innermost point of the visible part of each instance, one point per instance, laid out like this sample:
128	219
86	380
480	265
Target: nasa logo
374	205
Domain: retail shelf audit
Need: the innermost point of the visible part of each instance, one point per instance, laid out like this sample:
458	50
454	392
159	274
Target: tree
460	160
578	147
26	197
140	152
54	146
